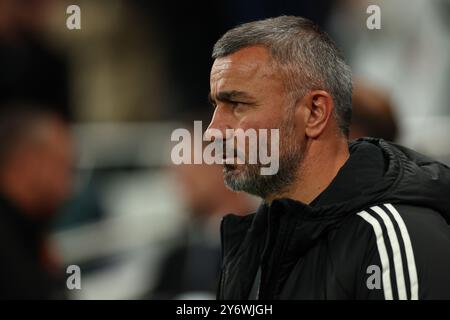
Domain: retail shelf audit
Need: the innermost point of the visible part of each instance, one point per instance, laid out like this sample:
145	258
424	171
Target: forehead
246	65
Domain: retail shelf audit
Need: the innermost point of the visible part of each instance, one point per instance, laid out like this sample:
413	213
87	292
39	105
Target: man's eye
237	104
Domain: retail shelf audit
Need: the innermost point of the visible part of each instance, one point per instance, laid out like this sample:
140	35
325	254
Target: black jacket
379	231
22	274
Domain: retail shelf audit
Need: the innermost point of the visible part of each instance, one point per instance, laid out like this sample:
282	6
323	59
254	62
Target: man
36	161
340	220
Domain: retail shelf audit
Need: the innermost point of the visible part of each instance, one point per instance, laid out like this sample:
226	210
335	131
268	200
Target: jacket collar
292	227
347	193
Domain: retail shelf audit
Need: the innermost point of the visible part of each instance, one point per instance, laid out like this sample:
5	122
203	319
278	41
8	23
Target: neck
322	161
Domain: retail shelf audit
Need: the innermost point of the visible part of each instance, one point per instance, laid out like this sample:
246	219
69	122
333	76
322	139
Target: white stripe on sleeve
409	252
386	276
396	253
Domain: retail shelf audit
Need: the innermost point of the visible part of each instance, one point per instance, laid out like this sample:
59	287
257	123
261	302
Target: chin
235	177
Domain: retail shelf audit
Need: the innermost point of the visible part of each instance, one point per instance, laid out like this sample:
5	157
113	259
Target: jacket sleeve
404	253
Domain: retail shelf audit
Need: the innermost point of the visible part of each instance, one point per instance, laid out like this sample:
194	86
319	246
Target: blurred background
86	118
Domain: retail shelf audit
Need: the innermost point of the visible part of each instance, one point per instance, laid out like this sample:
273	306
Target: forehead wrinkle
236	68
227	71
248	68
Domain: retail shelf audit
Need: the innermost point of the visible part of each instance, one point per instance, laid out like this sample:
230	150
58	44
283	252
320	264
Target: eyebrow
227	96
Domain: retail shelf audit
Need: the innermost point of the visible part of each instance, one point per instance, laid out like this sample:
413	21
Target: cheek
261	121
59	178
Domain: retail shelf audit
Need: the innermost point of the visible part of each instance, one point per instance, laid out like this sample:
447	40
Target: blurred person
373	114
36	161
191	270
366	219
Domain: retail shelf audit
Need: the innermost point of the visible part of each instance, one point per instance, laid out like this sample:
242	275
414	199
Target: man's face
51	163
248	92
57	164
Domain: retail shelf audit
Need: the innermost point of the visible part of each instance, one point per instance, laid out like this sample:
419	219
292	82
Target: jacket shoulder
408	245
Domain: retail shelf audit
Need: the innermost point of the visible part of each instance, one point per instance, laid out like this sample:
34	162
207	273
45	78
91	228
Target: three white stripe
396	252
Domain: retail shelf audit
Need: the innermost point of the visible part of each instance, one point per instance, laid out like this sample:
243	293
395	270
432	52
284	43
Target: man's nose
220	122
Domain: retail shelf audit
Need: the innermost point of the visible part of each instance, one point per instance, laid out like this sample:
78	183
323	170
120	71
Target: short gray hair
306	56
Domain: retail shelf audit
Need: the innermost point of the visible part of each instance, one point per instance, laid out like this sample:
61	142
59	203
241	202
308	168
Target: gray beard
247	177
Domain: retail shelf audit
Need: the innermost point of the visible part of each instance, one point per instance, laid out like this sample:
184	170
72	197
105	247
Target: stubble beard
247	177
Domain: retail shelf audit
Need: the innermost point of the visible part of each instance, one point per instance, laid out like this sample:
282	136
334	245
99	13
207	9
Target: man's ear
318	107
